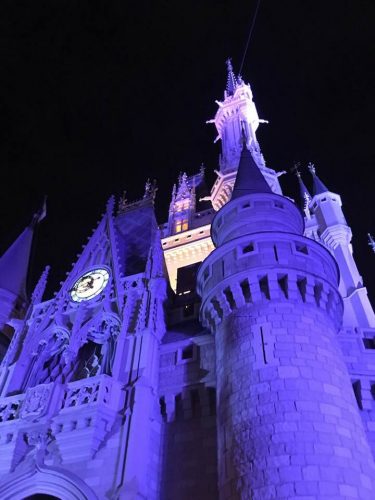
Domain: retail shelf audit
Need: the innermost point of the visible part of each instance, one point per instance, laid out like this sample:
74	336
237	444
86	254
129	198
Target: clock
89	285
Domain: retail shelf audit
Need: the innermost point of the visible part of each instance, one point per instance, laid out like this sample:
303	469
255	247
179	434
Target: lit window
185	225
178	227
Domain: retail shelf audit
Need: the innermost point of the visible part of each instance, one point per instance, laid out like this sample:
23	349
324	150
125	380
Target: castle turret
288	423
335	233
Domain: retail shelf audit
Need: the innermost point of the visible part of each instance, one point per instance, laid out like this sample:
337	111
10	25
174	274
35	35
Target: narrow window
216	306
302	285
283	284
163	408
230	299
318	288
245	287
358	393
275	253
248	248
264	287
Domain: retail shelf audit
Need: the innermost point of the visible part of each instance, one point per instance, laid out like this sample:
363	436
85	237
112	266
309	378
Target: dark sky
97	96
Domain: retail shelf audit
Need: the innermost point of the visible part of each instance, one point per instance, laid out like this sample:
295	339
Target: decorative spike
231	79
40	287
123	203
110	205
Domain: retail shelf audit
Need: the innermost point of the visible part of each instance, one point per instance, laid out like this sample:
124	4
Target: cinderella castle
228	353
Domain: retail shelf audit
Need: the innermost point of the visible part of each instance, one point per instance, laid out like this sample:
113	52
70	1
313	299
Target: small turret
335	233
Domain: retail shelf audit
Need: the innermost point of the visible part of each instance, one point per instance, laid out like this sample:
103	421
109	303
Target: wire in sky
250	33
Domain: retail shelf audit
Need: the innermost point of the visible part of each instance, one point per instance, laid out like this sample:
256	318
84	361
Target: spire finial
371	242
231	79
40	214
123	202
150	189
311	168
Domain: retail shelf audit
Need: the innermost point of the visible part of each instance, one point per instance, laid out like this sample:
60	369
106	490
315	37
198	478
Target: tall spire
249	178
318	186
231	79
14	264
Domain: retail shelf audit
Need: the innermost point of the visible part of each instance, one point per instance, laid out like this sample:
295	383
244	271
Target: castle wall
188	404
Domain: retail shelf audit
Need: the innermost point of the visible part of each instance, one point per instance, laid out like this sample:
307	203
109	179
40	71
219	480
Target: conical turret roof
14	264
318	186
249	178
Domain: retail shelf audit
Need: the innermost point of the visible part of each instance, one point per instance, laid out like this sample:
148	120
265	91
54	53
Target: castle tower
237	116
288	423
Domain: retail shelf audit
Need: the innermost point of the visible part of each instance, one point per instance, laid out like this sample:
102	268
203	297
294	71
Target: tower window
301	248
248	248
358	393
187	352
181	225
369	343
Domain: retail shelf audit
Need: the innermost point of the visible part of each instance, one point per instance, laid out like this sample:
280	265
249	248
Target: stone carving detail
97	355
10	407
45	365
36	401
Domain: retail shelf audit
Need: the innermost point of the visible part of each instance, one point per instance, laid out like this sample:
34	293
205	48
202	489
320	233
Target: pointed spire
249	178
40	287
319	186
183	186
14	264
231	79
304	192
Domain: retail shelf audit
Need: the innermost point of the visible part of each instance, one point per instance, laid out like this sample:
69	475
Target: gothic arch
48	481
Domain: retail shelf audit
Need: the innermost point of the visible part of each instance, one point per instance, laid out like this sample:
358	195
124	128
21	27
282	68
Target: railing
10	407
87	391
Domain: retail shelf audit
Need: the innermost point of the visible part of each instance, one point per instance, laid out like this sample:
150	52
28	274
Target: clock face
89	285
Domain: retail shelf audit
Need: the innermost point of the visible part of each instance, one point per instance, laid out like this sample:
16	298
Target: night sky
97	96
